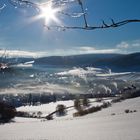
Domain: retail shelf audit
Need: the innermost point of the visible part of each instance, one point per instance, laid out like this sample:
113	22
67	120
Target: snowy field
49	108
101	125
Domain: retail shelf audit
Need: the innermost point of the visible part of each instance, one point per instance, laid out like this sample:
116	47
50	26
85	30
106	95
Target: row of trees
79	104
7	112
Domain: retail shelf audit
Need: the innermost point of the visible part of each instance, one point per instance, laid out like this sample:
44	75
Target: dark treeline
33	99
37	99
7	112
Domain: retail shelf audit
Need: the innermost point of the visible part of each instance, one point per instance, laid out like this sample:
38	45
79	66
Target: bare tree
82	14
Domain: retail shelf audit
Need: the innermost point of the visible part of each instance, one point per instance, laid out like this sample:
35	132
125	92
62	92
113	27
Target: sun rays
49	13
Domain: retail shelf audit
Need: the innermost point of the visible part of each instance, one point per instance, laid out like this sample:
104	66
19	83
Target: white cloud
18	53
136	44
122	45
87	49
129	46
81	50
55	52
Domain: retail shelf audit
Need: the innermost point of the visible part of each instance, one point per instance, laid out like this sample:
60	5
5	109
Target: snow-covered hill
109	124
49	108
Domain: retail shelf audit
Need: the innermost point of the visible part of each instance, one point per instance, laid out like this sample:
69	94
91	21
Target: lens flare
48	12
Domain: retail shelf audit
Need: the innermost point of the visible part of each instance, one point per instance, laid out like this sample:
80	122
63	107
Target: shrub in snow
94	109
60	110
49	117
23	114
127	111
117	100
134	110
80	113
130	111
85	102
130	94
99	99
77	104
87	111
7	112
39	113
106	104
113	114
33	115
76	114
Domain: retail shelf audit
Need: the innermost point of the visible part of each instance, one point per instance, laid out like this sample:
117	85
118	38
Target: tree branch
2	7
59	3
83	11
103	26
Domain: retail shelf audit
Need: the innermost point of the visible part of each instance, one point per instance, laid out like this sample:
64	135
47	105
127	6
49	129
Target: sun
48	12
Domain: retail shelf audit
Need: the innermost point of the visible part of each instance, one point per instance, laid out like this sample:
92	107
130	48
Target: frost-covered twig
103	26
2	7
82	13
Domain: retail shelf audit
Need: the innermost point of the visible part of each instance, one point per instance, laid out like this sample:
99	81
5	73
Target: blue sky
20	34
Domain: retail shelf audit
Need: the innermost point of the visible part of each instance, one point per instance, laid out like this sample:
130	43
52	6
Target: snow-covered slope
49	108
97	126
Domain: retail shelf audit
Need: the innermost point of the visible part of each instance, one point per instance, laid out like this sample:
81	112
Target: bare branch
60	3
103	26
24	3
73	15
2	7
83	11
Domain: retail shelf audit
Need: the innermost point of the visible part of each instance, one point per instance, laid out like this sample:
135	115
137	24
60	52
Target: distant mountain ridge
117	62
